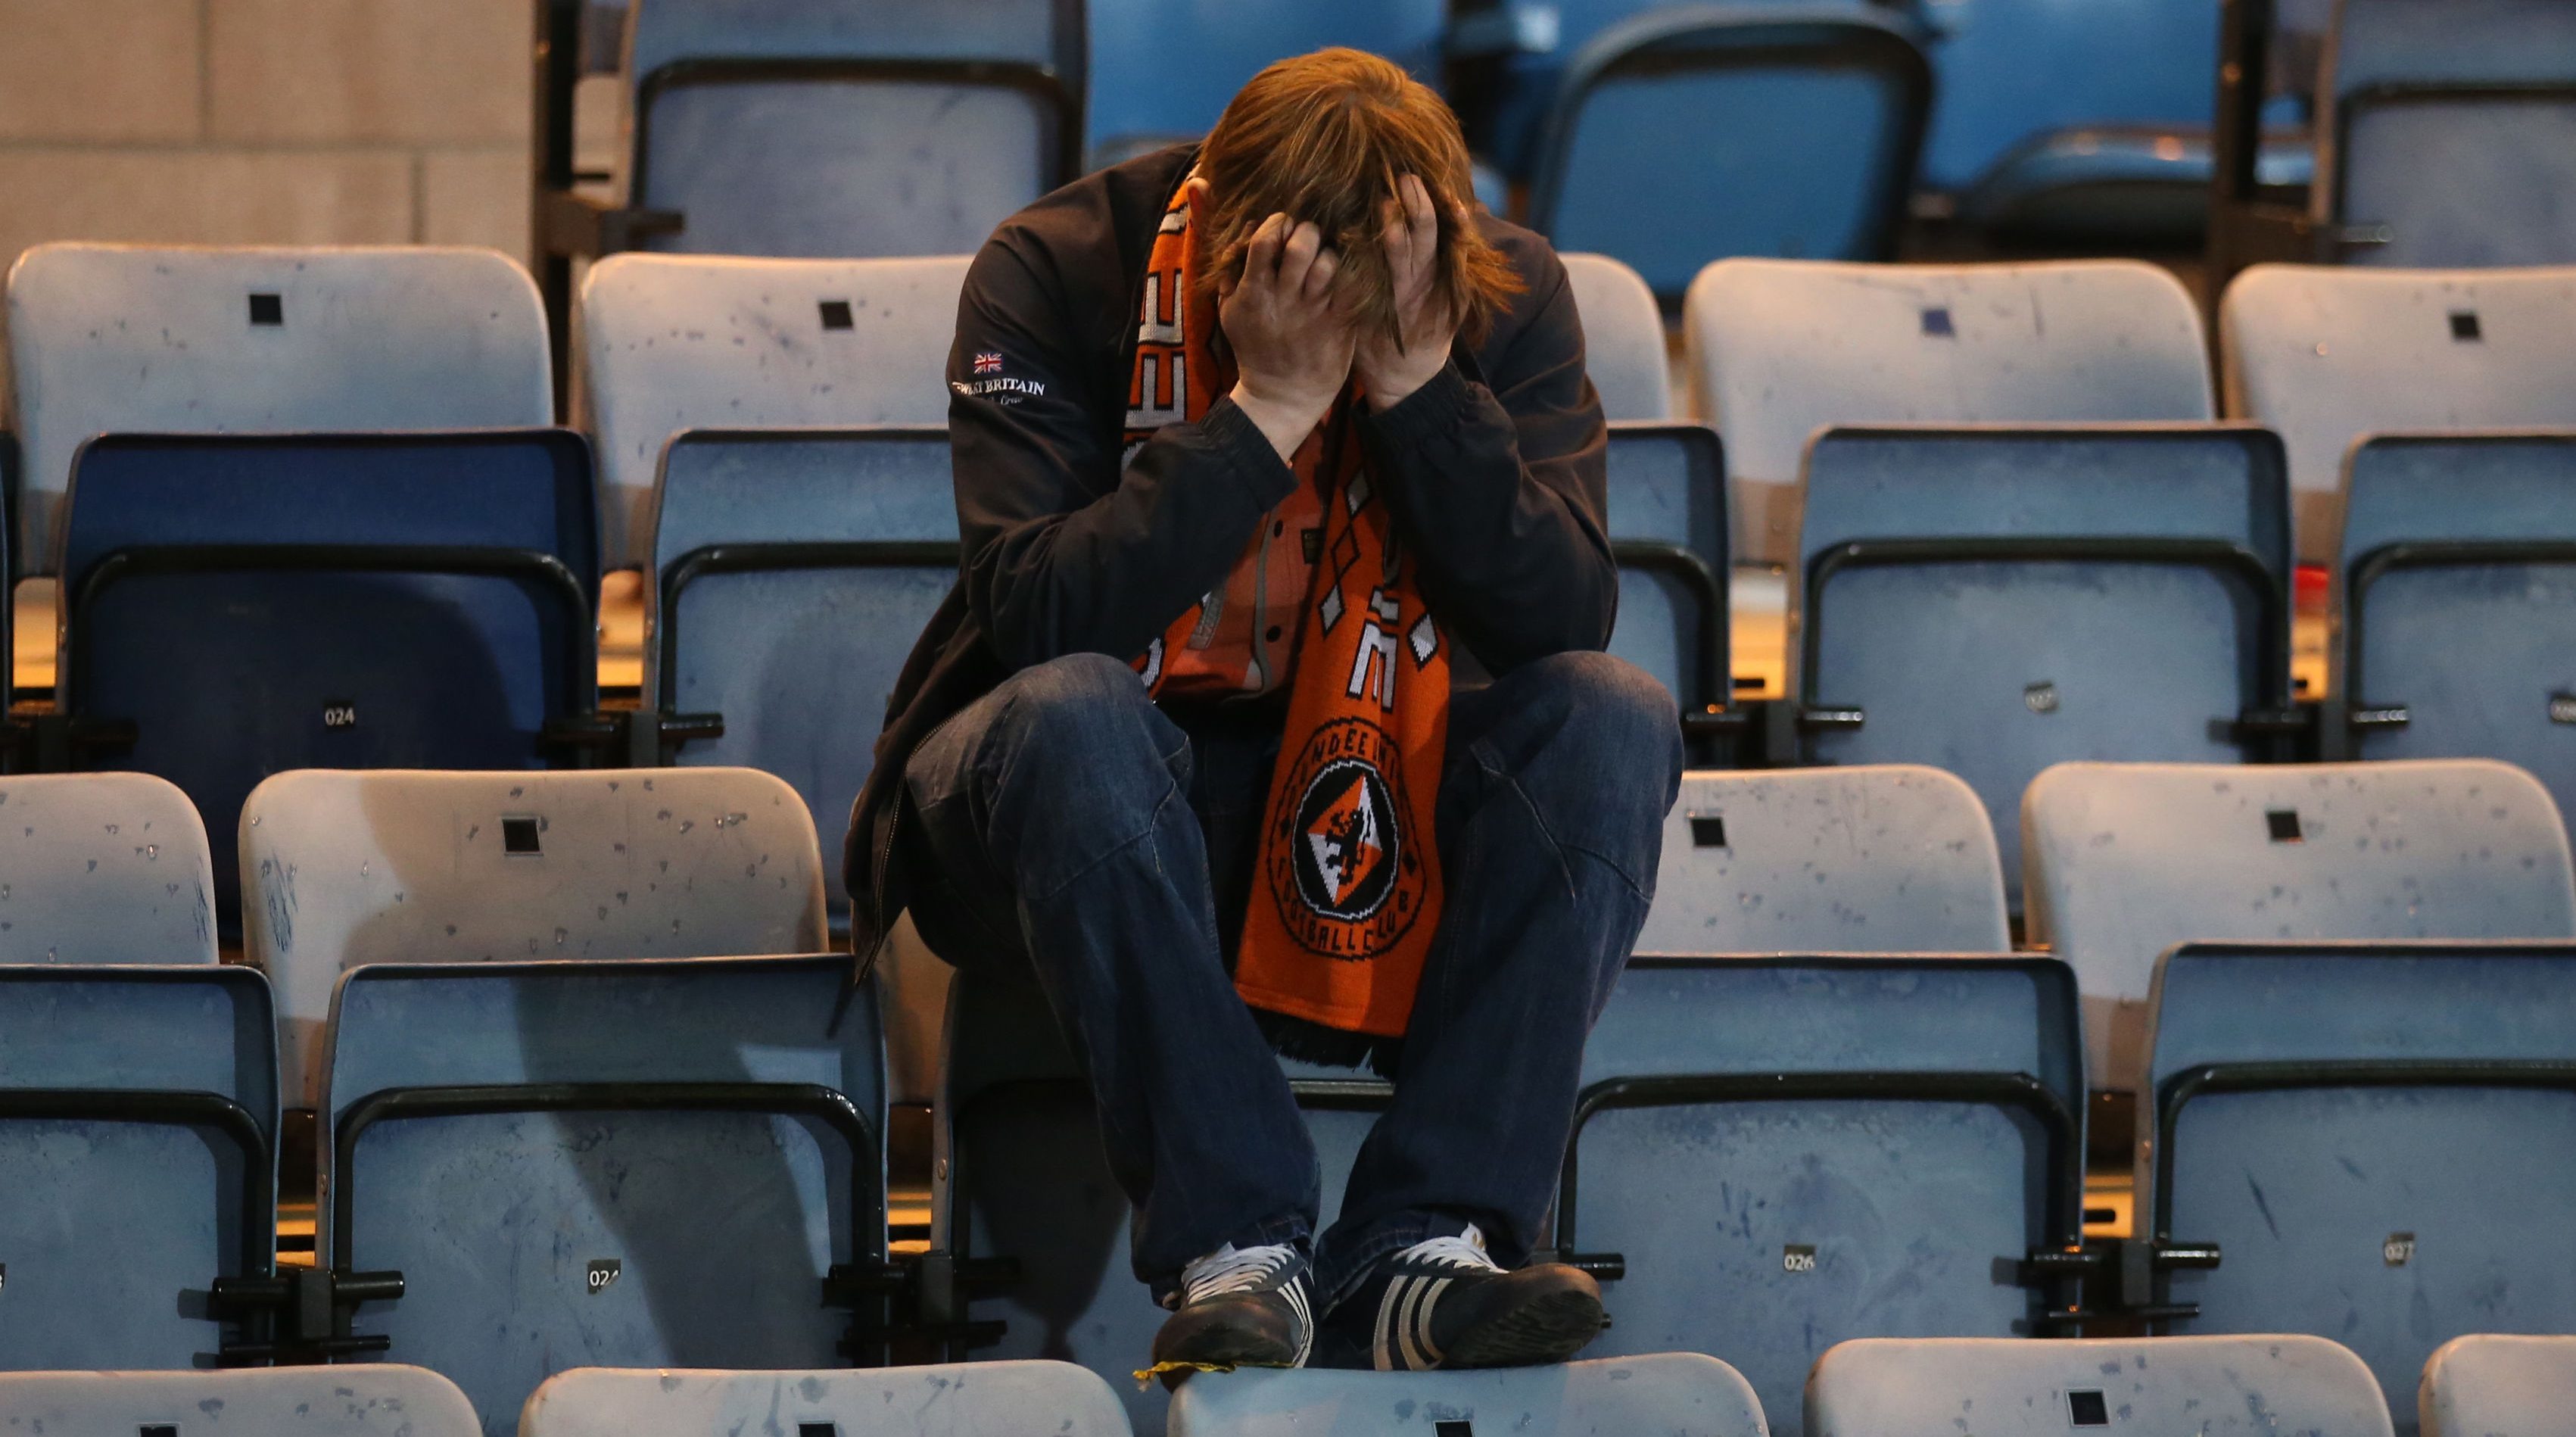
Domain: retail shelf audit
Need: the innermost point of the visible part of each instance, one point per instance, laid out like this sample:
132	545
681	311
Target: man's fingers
1419	214
1261	257
1305	242
1319	276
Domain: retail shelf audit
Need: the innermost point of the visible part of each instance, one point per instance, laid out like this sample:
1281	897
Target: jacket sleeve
1065	548
1500	489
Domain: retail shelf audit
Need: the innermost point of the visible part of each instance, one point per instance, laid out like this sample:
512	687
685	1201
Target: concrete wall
264	121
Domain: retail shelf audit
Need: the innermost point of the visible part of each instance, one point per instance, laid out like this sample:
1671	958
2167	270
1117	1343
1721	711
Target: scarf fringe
1303	1040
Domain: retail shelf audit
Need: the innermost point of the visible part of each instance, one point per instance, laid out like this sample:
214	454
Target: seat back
1019	1172
1623	337
2457	604
347	869
257	604
1778	350
2325	356
138	1159
1806	121
103	868
1990	600
2127	860
897	127
378	1399
2223	1386
933	1401
1142	96
2447	134
670	343
1680	1393
794	570
2374	1136
1667	490
1797	1132
2013	71
2507	1386
652	1163
1891	859
138	338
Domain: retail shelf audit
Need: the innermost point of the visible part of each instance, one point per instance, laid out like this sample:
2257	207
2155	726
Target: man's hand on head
1388	370
1292	347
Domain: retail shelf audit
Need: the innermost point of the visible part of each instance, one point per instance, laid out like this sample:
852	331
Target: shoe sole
1548	1328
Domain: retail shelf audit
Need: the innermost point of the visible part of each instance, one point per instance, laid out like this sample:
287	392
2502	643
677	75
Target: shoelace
1465	1250
1229	1269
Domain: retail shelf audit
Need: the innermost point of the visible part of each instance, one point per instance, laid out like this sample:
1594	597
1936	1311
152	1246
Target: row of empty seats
798	128
539	1150
2080	566
2482	1386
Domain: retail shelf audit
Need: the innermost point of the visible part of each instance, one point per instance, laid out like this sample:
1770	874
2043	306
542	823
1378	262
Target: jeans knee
1614	707
1082	728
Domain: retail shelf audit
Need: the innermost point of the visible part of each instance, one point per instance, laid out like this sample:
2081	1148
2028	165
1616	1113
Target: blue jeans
1067	824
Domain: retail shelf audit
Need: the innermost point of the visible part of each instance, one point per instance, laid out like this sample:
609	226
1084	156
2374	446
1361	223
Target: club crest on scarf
1349	892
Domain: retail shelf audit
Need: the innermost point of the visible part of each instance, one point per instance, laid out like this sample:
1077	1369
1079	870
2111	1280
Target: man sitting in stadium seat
1270	713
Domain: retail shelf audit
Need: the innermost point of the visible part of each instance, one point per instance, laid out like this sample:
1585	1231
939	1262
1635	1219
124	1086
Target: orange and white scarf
1348	893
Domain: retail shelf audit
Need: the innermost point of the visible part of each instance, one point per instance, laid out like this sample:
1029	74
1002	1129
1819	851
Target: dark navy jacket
1492	471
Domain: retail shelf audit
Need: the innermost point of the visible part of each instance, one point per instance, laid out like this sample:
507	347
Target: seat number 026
1798	1257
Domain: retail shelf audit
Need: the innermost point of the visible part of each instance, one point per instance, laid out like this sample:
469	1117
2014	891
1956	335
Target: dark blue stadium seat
138	1159
1668	531
1785	1152
655	1163
1163	70
1991	601
1693	133
794	568
1019	1174
2447	133
2376	1138
2457	601
827	129
249	605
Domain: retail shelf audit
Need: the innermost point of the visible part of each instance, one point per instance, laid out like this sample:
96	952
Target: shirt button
1274	633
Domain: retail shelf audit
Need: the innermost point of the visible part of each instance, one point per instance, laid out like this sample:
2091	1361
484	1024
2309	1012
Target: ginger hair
1323	138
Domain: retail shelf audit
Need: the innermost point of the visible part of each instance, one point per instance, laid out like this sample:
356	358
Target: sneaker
1239	1307
1446	1304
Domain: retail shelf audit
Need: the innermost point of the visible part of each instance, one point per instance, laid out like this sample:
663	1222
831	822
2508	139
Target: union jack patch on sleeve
988	361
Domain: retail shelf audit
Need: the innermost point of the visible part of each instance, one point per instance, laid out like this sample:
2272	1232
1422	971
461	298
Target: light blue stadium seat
935	1401
1623	338
824	128
1992	600
1163	70
1019	1174
655	1163
2447	133
138	1161
103	868
1667	488
1785	1152
1672	1394
2213	1386
344	869
239	605
2126	860
1868	859
379	1400
144	339
793	570
2456	612
1779	350
2497	1385
2325	356
1802	123
2375	1138
672	343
